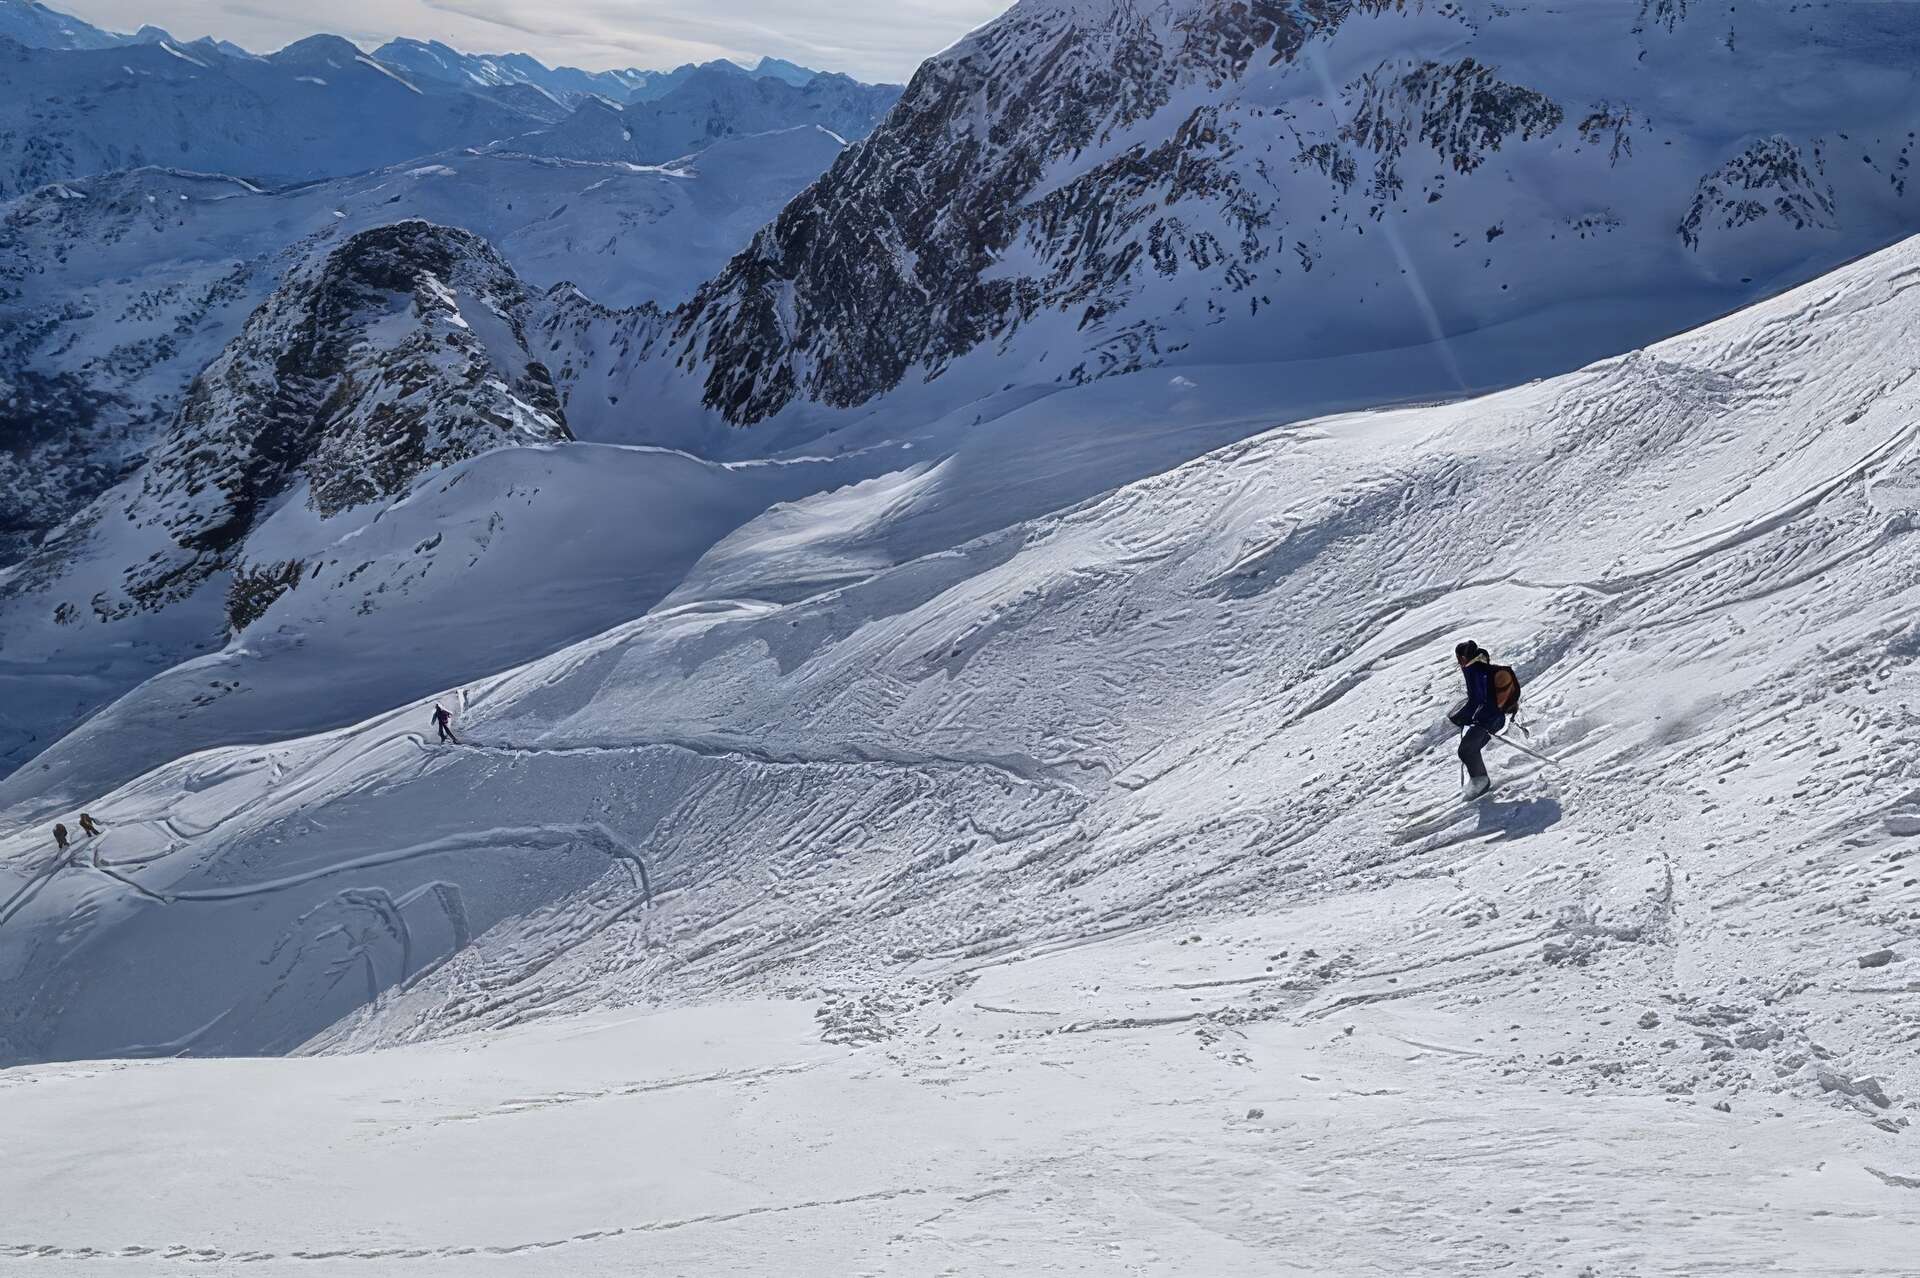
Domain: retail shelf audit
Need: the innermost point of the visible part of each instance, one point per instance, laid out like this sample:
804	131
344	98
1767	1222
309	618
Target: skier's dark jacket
1479	710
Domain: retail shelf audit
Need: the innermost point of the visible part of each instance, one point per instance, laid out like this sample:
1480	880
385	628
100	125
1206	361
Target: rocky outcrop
1771	178
404	349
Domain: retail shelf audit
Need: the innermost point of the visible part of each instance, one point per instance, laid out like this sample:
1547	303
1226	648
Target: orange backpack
1506	691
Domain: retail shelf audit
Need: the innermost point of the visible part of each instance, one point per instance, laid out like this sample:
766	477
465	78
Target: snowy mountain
925	803
437	61
660	83
76	101
781	69
1082	189
316	109
399	352
716	101
116	291
38	27
433	60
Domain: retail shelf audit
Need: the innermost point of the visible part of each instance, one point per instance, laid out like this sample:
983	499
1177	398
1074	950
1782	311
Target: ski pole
1544	758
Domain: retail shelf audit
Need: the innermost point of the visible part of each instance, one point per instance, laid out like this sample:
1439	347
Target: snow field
1103	1108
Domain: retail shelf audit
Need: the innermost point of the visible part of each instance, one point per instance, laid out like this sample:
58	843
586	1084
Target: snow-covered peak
439	61
316	109
781	69
318	51
712	103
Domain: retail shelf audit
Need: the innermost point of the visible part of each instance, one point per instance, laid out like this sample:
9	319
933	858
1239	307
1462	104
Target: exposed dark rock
402	350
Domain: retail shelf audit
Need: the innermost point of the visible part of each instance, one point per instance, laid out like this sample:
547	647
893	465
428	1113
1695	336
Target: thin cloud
871	39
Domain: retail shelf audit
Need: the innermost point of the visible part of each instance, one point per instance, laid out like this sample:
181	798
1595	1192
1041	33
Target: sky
870	39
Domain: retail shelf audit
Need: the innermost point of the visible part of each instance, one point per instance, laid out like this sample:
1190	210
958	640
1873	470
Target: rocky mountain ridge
1080	189
434	59
76	101
401	350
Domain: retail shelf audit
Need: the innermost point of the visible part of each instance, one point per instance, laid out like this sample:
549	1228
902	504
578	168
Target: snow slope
1079	892
1212	691
1068	1113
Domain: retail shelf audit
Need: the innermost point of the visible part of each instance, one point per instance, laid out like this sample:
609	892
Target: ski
1431	820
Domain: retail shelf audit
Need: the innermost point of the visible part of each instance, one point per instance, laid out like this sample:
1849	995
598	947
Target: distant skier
1493	692
60	835
440	720
89	825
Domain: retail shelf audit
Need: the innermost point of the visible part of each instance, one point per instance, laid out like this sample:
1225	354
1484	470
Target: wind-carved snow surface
1072	883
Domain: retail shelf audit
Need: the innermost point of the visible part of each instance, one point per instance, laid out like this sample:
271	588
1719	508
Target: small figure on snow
60	835
90	826
440	720
1493	693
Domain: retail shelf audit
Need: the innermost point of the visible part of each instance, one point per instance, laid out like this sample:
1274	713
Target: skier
1481	715
89	825
60	835
440	720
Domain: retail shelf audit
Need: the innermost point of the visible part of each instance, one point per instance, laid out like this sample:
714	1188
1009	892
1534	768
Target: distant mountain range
38	27
153	191
316	109
436	61
711	102
77	101
193	176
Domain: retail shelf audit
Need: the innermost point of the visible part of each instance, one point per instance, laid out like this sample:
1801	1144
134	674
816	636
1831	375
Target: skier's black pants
446	735
1472	741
